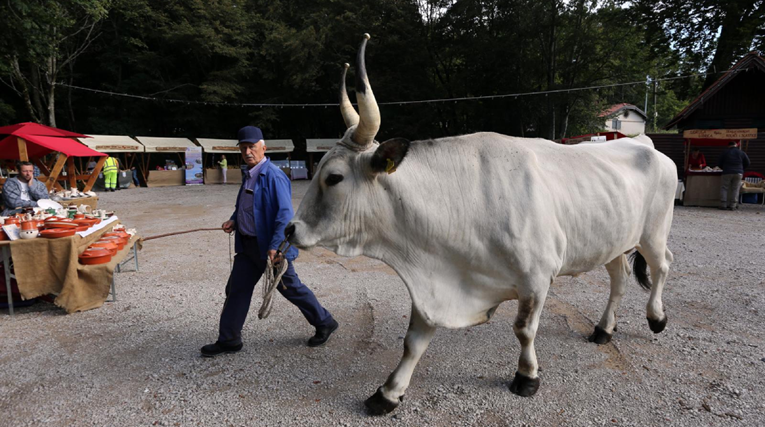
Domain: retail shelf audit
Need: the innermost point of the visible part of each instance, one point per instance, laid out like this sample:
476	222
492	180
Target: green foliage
292	51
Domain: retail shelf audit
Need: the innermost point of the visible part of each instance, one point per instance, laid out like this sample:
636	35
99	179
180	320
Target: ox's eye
333	179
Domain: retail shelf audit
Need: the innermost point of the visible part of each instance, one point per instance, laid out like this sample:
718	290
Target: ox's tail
640	267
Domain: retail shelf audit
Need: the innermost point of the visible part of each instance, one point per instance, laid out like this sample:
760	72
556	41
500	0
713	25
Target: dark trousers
248	267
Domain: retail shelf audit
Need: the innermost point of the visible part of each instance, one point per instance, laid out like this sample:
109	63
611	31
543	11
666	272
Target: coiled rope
271	278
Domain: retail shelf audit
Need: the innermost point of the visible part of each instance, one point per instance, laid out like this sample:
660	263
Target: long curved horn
369	113
350	116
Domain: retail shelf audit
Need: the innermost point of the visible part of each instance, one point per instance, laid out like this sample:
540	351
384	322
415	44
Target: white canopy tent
156	144
318	145
167	145
115	145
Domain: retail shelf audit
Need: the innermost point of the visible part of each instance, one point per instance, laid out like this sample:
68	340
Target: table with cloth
89	201
51	266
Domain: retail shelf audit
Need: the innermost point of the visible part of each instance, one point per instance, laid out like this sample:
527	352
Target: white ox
472	221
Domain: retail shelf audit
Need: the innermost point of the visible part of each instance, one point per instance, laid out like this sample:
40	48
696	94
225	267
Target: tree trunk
739	28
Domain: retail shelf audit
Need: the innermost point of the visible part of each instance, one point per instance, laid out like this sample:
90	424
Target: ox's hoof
378	404
658	325
600	336
523	385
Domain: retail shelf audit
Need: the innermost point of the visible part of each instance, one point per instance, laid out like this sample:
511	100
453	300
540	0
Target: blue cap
250	134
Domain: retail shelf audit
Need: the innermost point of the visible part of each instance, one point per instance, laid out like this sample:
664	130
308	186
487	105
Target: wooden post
71	173
23	156
56	171
43	169
687	154
94	174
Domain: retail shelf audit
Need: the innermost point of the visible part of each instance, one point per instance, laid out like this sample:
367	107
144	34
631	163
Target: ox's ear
389	155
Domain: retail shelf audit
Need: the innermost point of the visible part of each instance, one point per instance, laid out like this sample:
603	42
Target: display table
78	287
213	176
702	189
166	178
89	201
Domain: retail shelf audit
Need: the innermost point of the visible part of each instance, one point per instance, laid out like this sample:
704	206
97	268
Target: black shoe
322	334
212	350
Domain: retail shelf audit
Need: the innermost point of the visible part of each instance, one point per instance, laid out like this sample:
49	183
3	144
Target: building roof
112	143
749	61
321	145
618	108
162	144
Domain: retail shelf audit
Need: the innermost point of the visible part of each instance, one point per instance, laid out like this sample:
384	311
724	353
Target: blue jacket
12	194
272	207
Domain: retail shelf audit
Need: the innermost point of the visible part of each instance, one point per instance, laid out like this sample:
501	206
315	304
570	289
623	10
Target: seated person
696	160
23	190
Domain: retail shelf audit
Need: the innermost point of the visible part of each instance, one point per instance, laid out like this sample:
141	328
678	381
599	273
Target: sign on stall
194	173
721	133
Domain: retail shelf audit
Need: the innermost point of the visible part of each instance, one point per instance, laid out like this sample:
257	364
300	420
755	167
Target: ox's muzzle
295	234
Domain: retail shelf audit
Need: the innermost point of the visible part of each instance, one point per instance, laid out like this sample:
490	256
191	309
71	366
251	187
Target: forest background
184	56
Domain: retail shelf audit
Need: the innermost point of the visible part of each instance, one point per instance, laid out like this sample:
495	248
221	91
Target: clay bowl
28	225
60	224
116	240
55	233
121	234
111	246
12	221
85	221
94	256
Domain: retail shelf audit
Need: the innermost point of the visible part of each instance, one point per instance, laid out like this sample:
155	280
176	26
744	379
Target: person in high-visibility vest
111	167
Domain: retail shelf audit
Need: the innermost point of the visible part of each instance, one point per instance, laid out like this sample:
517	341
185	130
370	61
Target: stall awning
29	128
112	143
155	144
218	146
279	146
38	146
320	145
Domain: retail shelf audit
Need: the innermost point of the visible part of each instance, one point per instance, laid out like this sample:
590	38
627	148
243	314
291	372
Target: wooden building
732	105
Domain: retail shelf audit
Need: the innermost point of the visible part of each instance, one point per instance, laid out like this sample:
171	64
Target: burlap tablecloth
51	266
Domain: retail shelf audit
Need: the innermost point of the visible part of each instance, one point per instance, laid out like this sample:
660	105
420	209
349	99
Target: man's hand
275	259
228	226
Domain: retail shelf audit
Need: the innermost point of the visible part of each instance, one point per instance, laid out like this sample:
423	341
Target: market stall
127	150
212	150
280	153
318	146
35	143
59	265
164	161
702	186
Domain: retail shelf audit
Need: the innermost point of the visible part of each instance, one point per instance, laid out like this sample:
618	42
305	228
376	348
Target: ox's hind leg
391	393
526	381
658	257
619	271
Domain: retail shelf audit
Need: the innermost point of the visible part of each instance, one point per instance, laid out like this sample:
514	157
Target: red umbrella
30	128
42	140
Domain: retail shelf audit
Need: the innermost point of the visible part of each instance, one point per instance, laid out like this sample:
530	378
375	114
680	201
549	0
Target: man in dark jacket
263	209
732	162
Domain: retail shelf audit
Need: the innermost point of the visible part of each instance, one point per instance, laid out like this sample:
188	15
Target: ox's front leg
391	393
526	381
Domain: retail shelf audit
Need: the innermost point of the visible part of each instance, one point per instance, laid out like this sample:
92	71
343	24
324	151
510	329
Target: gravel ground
136	361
